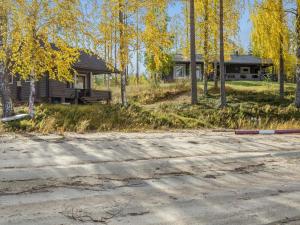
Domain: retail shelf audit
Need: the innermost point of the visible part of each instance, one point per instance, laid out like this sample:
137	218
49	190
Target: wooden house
53	91
181	68
238	67
246	67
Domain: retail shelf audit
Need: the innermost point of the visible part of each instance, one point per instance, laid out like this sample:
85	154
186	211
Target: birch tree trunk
281	73
32	96
123	55
297	100
137	48
193	53
281	58
216	74
206	58
6	101
115	53
7	105
222	71
216	48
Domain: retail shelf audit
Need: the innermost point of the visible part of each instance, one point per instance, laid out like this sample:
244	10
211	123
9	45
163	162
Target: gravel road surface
186	178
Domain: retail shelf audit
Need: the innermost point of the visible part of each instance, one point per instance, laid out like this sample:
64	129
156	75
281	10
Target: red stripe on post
244	132
292	131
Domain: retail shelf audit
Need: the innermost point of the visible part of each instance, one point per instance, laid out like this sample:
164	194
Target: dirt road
150	178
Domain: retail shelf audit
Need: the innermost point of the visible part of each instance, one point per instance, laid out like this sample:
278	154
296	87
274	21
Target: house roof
235	59
248	59
93	63
183	59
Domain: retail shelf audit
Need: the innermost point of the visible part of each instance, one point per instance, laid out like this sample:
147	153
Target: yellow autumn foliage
40	38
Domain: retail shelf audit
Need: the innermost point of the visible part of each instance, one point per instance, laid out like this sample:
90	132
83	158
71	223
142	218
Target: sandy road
150	178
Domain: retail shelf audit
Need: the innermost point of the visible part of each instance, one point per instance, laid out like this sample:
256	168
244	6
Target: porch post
75	90
91	84
260	73
108	81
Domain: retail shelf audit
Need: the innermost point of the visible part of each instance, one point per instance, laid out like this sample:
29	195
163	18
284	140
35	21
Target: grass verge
250	105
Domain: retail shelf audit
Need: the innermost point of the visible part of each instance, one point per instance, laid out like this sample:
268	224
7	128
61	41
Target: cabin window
80	82
243	76
70	85
231	76
255	76
179	71
198	72
232	69
245	70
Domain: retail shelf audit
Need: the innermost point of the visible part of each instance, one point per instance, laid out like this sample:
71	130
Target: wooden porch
87	96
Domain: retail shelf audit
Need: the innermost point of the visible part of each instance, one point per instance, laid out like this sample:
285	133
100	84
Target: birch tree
222	72
208	30
42	35
270	35
123	52
193	53
7	106
156	37
297	100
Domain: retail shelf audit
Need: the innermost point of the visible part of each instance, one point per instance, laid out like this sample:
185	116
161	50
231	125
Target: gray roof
181	58
90	62
93	63
247	59
235	59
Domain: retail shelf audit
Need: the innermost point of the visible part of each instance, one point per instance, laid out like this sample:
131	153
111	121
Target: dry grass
250	105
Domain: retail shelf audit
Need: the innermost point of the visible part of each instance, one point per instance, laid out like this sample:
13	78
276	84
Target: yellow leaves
156	37
38	38
207	27
270	30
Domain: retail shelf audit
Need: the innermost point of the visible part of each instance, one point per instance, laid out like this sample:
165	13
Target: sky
245	29
245	23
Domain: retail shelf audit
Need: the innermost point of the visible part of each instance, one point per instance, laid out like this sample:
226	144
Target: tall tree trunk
222	69
193	53
206	59
137	48
297	101
281	57
122	54
216	73
32	96
115	54
187	31
281	73
216	49
7	105
6	101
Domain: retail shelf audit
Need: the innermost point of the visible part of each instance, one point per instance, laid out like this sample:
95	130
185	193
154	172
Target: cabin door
19	90
81	82
199	72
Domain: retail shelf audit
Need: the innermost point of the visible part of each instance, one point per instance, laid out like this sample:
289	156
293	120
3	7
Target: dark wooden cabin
246	67
181	68
238	67
53	91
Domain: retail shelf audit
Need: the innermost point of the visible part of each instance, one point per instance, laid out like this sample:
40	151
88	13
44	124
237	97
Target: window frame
242	70
183	66
84	82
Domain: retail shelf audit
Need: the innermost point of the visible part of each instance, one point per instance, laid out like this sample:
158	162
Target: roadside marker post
267	132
